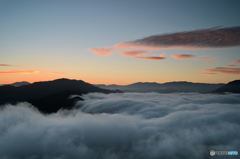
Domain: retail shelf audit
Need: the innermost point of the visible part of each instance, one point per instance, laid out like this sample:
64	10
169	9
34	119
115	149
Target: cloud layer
125	125
102	51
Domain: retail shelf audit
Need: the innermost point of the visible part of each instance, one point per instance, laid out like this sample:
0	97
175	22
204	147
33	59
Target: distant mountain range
169	87
48	96
17	84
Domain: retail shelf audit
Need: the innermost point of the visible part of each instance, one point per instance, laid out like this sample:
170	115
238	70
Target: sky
120	42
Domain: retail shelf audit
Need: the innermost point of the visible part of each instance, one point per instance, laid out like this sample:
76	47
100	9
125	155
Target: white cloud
124	125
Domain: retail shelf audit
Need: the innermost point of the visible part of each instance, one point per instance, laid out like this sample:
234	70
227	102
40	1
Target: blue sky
56	35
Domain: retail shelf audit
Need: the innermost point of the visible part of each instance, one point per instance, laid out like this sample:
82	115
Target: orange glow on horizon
19	71
32	79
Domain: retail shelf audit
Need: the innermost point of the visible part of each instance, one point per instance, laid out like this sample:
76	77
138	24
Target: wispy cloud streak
183	56
234	63
1	64
222	70
137	54
104	51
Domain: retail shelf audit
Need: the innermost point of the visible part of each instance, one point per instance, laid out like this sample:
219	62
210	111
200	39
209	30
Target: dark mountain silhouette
232	87
48	96
169	87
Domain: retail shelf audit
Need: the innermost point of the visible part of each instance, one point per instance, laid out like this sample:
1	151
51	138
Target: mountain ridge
168	87
51	96
48	96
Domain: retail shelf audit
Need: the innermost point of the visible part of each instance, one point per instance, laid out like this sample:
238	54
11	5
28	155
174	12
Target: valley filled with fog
123	126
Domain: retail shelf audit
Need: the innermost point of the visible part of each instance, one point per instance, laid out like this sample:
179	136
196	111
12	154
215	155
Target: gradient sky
49	39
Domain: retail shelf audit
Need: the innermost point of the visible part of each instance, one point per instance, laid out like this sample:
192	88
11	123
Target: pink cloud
223	70
4	64
237	61
134	53
234	63
104	51
183	56
230	65
150	57
137	54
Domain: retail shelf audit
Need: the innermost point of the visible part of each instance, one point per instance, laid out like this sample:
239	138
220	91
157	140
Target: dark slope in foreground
48	96
169	87
232	87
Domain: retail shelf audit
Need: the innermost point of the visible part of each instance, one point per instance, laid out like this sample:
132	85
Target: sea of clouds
124	126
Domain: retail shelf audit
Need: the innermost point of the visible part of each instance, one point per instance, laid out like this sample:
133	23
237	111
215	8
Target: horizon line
115	83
